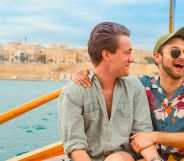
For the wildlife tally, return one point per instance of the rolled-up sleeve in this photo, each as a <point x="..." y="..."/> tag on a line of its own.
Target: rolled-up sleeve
<point x="71" y="119"/>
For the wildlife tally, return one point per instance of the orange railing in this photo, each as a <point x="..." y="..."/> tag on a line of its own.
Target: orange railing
<point x="46" y="152"/>
<point x="28" y="106"/>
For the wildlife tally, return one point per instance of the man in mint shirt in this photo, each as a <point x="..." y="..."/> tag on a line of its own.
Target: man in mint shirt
<point x="166" y="98"/>
<point x="96" y="122"/>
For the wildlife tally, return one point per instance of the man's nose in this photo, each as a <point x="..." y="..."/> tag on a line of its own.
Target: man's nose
<point x="131" y="60"/>
<point x="182" y="54"/>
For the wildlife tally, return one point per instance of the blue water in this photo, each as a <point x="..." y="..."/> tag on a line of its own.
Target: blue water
<point x="34" y="129"/>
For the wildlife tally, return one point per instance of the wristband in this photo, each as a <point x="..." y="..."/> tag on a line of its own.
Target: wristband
<point x="157" y="158"/>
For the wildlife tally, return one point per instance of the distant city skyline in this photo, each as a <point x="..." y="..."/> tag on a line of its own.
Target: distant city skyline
<point x="70" y="22"/>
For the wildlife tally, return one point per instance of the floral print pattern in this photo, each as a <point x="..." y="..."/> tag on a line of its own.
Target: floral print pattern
<point x="167" y="114"/>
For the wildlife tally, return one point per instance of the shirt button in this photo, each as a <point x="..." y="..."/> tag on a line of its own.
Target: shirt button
<point x="109" y="139"/>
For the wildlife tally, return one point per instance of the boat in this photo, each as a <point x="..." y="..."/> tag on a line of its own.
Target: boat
<point x="55" y="151"/>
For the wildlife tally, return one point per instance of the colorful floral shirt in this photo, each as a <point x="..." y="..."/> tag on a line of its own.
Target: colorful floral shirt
<point x="167" y="114"/>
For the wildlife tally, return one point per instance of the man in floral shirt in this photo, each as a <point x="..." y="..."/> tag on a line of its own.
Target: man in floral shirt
<point x="166" y="98"/>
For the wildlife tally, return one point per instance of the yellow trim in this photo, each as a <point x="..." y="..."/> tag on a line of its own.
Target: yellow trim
<point x="28" y="106"/>
<point x="46" y="152"/>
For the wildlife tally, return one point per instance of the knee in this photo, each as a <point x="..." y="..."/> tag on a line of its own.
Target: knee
<point x="119" y="156"/>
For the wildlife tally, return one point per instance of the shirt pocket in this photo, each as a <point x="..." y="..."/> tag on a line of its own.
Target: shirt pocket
<point x="92" y="124"/>
<point x="91" y="115"/>
<point x="125" y="118"/>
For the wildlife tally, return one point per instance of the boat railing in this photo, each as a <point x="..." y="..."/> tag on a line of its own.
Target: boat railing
<point x="46" y="152"/>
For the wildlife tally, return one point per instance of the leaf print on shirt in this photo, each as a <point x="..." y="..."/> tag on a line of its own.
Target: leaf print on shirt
<point x="164" y="111"/>
<point x="178" y="103"/>
<point x="179" y="113"/>
<point x="160" y="114"/>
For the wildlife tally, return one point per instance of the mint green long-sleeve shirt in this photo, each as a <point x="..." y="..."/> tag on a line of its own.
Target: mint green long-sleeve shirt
<point x="84" y="120"/>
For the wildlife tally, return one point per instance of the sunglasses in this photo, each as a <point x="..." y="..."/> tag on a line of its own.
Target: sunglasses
<point x="175" y="53"/>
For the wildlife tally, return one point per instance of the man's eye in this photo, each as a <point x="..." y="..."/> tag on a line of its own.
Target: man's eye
<point x="128" y="52"/>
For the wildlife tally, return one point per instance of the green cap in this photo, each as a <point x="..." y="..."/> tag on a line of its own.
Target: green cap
<point x="163" y="39"/>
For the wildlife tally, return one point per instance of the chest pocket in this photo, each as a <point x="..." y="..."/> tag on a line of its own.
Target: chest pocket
<point x="91" y="114"/>
<point x="125" y="117"/>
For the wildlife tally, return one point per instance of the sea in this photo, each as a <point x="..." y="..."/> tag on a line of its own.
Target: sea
<point x="34" y="129"/>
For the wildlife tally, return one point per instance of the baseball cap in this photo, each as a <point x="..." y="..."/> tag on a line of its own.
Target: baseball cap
<point x="163" y="39"/>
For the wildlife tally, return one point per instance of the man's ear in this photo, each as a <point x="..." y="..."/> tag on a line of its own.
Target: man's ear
<point x="157" y="58"/>
<point x="106" y="55"/>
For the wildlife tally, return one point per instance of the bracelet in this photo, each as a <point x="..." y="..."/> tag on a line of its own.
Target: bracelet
<point x="157" y="158"/>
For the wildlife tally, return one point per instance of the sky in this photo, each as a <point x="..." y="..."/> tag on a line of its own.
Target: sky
<point x="69" y="22"/>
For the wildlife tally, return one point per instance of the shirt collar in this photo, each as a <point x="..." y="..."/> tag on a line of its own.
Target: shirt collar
<point x="155" y="83"/>
<point x="93" y="77"/>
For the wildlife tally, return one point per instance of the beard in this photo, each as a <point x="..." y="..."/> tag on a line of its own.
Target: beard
<point x="170" y="71"/>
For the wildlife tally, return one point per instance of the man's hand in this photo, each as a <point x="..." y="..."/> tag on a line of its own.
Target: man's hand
<point x="141" y="141"/>
<point x="81" y="77"/>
